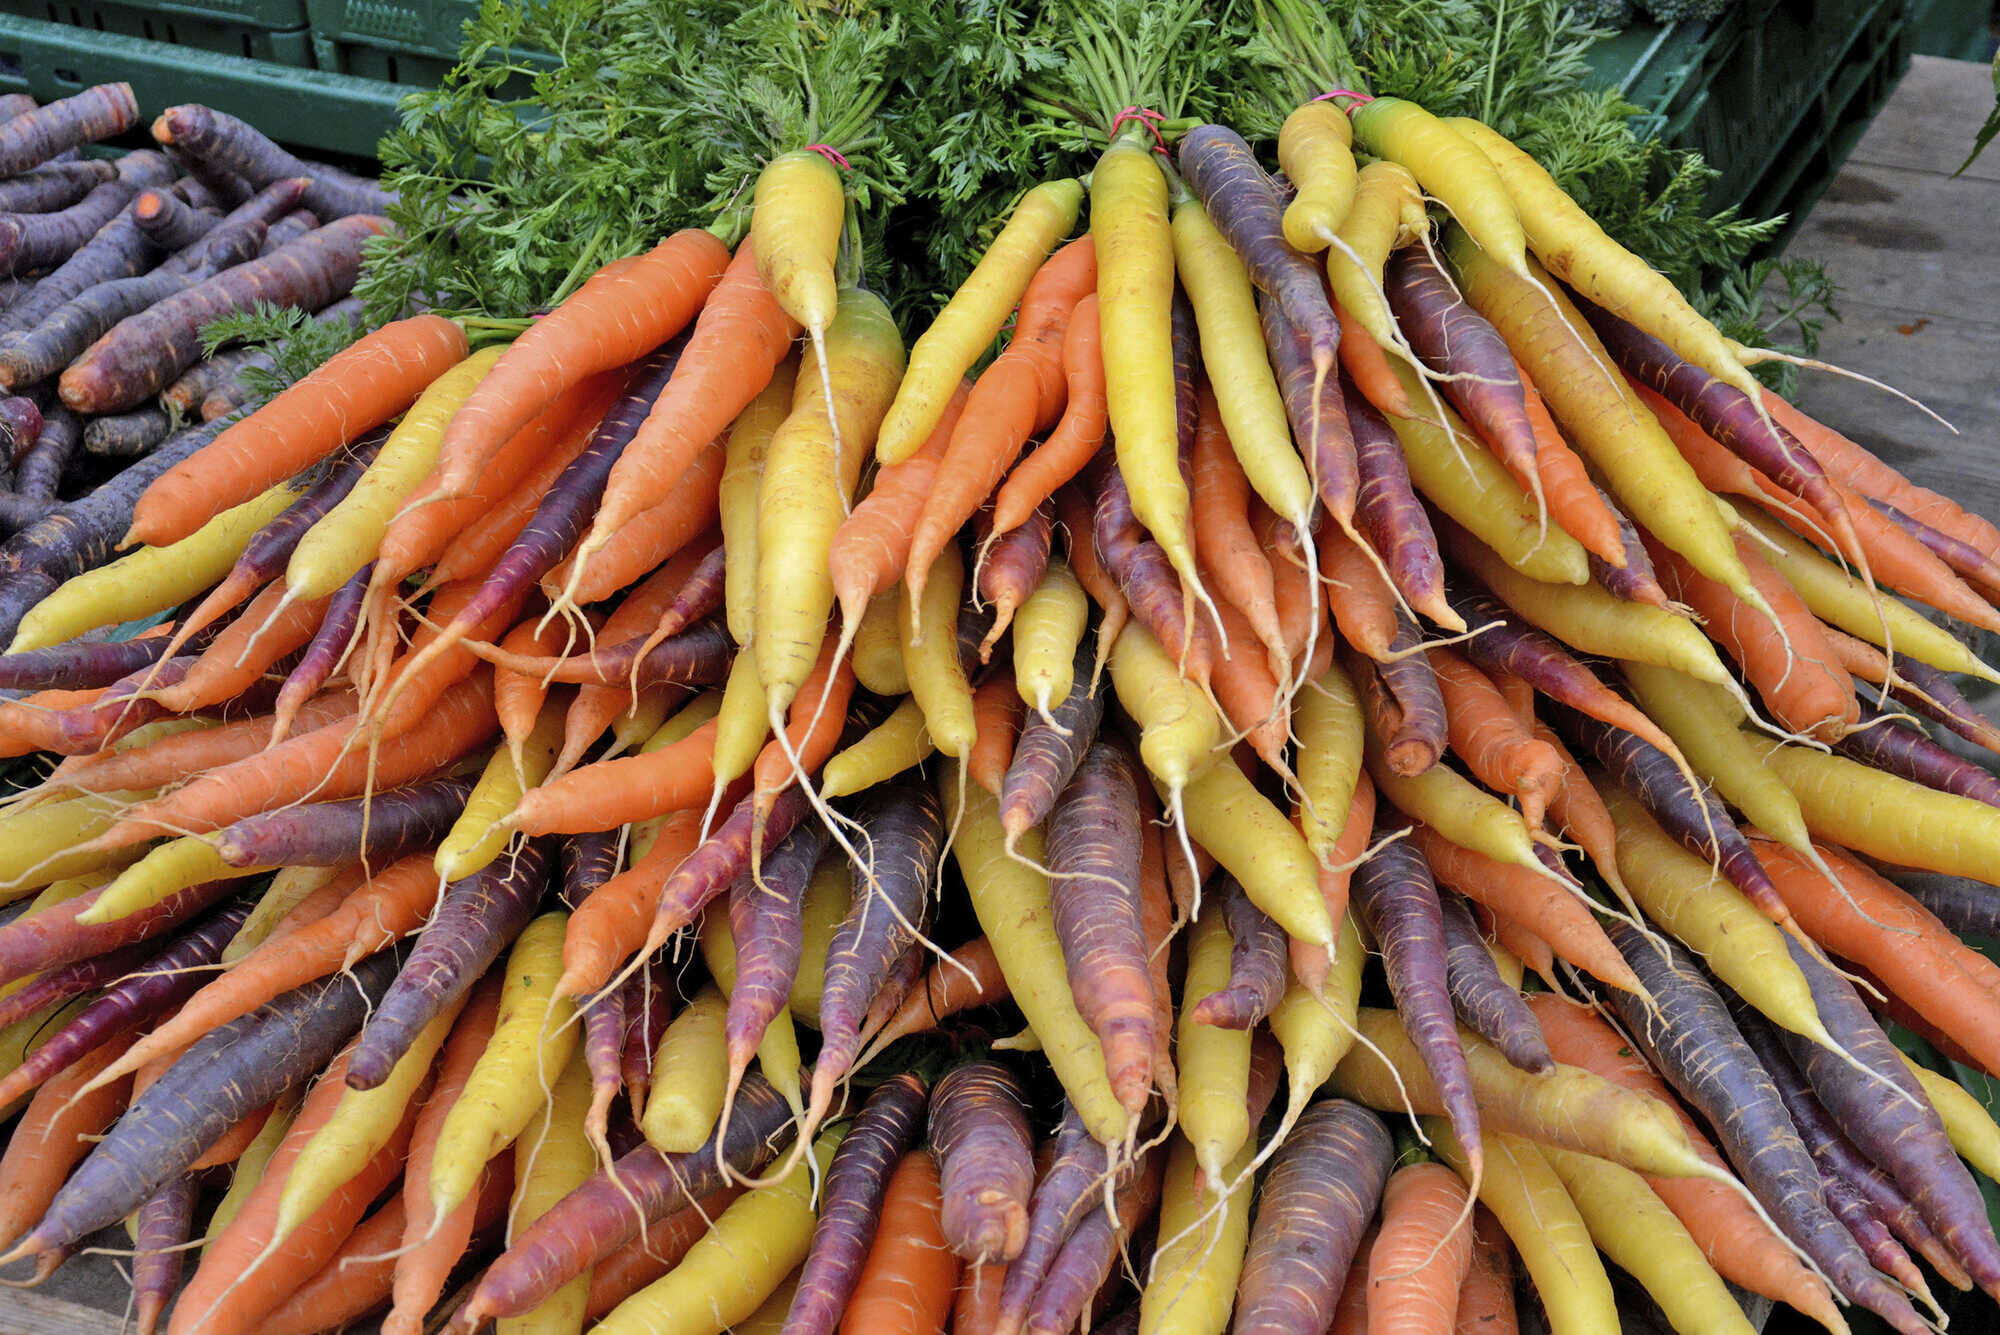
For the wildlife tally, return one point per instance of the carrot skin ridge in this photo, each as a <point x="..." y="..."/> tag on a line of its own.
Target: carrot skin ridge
<point x="851" y="1208"/>
<point x="619" y="1202"/>
<point x="229" y="1071"/>
<point x="1324" y="1186"/>
<point x="979" y="1135"/>
<point x="765" y="920"/>
<point x="380" y="829"/>
<point x="1481" y="997"/>
<point x="1693" y="1043"/>
<point x="167" y="978"/>
<point x="164" y="1222"/>
<point x="472" y="924"/>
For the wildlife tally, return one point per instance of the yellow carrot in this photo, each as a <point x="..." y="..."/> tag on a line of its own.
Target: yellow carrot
<point x="1214" y="1063"/>
<point x="898" y="743"/>
<point x="477" y="836"/>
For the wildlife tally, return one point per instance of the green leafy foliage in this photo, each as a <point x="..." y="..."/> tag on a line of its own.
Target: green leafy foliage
<point x="296" y="341"/>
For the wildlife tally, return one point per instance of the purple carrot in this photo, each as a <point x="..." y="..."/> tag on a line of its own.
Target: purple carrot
<point x="603" y="1049"/>
<point x="255" y="215"/>
<point x="1692" y="815"/>
<point x="1726" y="413"/>
<point x="167" y="978"/>
<point x="192" y="386"/>
<point x="62" y="336"/>
<point x="1969" y="908"/>
<point x="71" y="980"/>
<point x="227" y="1073"/>
<point x="54" y="937"/>
<point x="697" y="599"/>
<point x="225" y="186"/>
<point x="1094" y="836"/>
<point x="160" y="1249"/>
<point x="1871" y="1234"/>
<point x="289" y="228"/>
<point x="1140" y="565"/>
<point x="78" y="666"/>
<point x="83" y="729"/>
<point x="1185" y="338"/>
<point x="1838" y="1159"/>
<point x="726" y="854"/>
<point x="1050" y="747"/>
<point x="1011" y="567"/>
<point x="1891" y="1121"/>
<point x="616" y="1205"/>
<point x="129" y="435"/>
<point x="585" y="862"/>
<point x="1689" y="1039"/>
<point x="765" y="919"/>
<point x="559" y="520"/>
<point x="697" y="656"/>
<point x="1068" y="1190"/>
<point x="1257" y="952"/>
<point x="1488" y="1005"/>
<point x="327" y="649"/>
<point x="1448" y="336"/>
<point x="1636" y="581"/>
<point x="53" y="185"/>
<point x="649" y="1005"/>
<point x="33" y="137"/>
<point x="117" y="250"/>
<point x="1931" y="693"/>
<point x="1965" y="559"/>
<point x="1896" y="748"/>
<point x="1078" y="1273"/>
<point x="143" y="353"/>
<point x="985" y="1157"/>
<point x="1390" y="516"/>
<point x="1238" y="197"/>
<point x="169" y="221"/>
<point x="378" y="829"/>
<point x="474" y="920"/>
<point x="1324" y="1185"/>
<point x="20" y="426"/>
<point x="30" y="241"/>
<point x="851" y="1209"/>
<point x="904" y="823"/>
<point x="1318" y="416"/>
<point x="226" y="143"/>
<point x="902" y="978"/>
<point x="1413" y="685"/>
<point x="1398" y="902"/>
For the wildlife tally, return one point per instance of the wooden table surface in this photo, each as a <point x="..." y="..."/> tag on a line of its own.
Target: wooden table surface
<point x="1911" y="248"/>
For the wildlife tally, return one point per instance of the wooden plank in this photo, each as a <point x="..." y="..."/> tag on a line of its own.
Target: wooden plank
<point x="1929" y="122"/>
<point x="1905" y="239"/>
<point x="26" y="1312"/>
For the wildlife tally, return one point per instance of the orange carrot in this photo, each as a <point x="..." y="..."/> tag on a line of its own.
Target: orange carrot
<point x="431" y="1248"/>
<point x="1737" y="1242"/>
<point x="872" y="545"/>
<point x="330" y="763"/>
<point x="1879" y="926"/>
<point x="1580" y="812"/>
<point x="610" y="925"/>
<point x="735" y="348"/>
<point x="976" y="1308"/>
<point x="1077" y="436"/>
<point x="1538" y="903"/>
<point x="1311" y="962"/>
<point x="997" y="707"/>
<point x="1501" y="752"/>
<point x="1518" y="941"/>
<point x="1299" y="603"/>
<point x="518" y="696"/>
<point x="1073" y="513"/>
<point x="1224" y="540"/>
<point x="1574" y="502"/>
<point x="234" y="1141"/>
<point x="1368" y="366"/>
<point x="621" y="312"/>
<point x="652" y="536"/>
<point x="355" y="391"/>
<point x="812" y="730"/>
<point x="972" y="978"/>
<point x="1251" y="696"/>
<point x="1350" y="1313"/>
<point x="54" y="1133"/>
<point x="392" y="903"/>
<point x="27" y="725"/>
<point x="267" y="630"/>
<point x="1421" y="1253"/>
<point x="611" y="793"/>
<point x="1019" y="394"/>
<point x="174" y="757"/>
<point x="1364" y="606"/>
<point x="652" y="1254"/>
<point x="1486" y="1299"/>
<point x="358" y="1278"/>
<point x="237" y="1284"/>
<point x="908" y="1279"/>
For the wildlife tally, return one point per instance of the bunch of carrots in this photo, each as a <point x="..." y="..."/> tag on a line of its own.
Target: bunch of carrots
<point x="112" y="271"/>
<point x="1310" y="583"/>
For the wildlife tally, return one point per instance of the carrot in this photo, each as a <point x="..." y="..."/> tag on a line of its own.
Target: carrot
<point x="996" y="710"/>
<point x="1227" y="816"/>
<point x="908" y="1279"/>
<point x="322" y="764"/>
<point x="1076" y="438"/>
<point x="1390" y="516"/>
<point x="1363" y="604"/>
<point x="1323" y="1188"/>
<point x="1484" y="999"/>
<point x="1889" y="818"/>
<point x="1020" y="393"/>
<point x="872" y="545"/>
<point x="1502" y="752"/>
<point x="1204" y="1231"/>
<point x="1909" y="753"/>
<point x="971" y="978"/>
<point x="1075" y="1286"/>
<point x="1010" y="569"/>
<point x="1689" y="1038"/>
<point x="1225" y="543"/>
<point x="622" y="1273"/>
<point x="55" y="1133"/>
<point x="1422" y="1254"/>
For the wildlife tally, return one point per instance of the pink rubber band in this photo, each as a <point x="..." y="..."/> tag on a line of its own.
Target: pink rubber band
<point x="1360" y="99"/>
<point x="831" y="154"/>
<point x="1150" y="119"/>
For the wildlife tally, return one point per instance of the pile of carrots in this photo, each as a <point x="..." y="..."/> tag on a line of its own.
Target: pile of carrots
<point x="704" y="817"/>
<point x="109" y="270"/>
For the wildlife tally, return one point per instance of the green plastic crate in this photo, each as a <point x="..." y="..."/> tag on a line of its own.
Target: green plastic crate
<point x="1773" y="95"/>
<point x="399" y="41"/>
<point x="307" y="108"/>
<point x="273" y="30"/>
